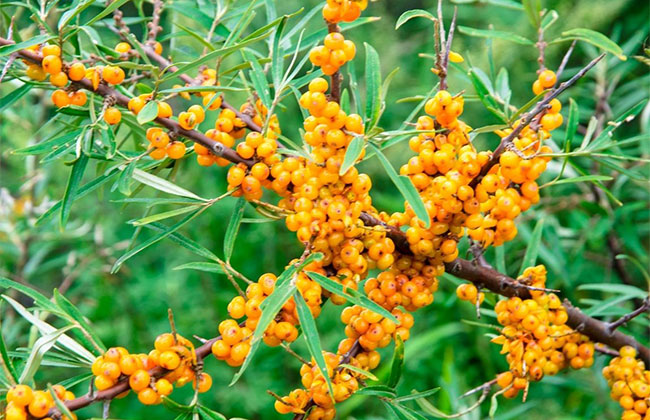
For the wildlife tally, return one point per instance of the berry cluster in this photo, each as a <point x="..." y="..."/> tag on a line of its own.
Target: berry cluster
<point x="171" y="352"/>
<point x="535" y="337"/>
<point x="336" y="11"/>
<point x="629" y="381"/>
<point x="24" y="402"/>
<point x="234" y="343"/>
<point x="162" y="146"/>
<point x="410" y="283"/>
<point x="335" y="52"/>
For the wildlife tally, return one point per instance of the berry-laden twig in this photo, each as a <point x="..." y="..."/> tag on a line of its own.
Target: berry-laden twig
<point x="529" y="116"/>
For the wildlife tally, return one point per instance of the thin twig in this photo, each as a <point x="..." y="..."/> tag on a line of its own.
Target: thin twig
<point x="645" y="307"/>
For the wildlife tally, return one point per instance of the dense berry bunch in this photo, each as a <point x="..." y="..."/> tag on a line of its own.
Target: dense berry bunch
<point x="333" y="54"/>
<point x="172" y="352"/>
<point x="24" y="402"/>
<point x="535" y="337"/>
<point x="336" y="11"/>
<point x="629" y="380"/>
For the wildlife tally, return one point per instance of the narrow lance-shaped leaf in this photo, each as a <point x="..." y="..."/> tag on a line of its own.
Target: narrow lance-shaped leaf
<point x="8" y="49"/>
<point x="398" y="363"/>
<point x="41" y="346"/>
<point x="533" y="247"/>
<point x="352" y="153"/>
<point x="83" y="355"/>
<point x="78" y="317"/>
<point x="76" y="174"/>
<point x="202" y="266"/>
<point x="124" y="181"/>
<point x="350" y="295"/>
<point x="373" y="87"/>
<point x="312" y="338"/>
<point x="162" y="184"/>
<point x="70" y="14"/>
<point x="410" y="14"/>
<point x="233" y="228"/>
<point x="405" y="187"/>
<point x="7" y="364"/>
<point x="595" y="38"/>
<point x="277" y="63"/>
<point x="154" y="239"/>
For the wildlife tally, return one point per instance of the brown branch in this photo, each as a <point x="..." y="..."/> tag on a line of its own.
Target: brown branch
<point x="123" y="385"/>
<point x="528" y="118"/>
<point x="445" y="60"/>
<point x="337" y="77"/>
<point x="154" y="25"/>
<point x="645" y="307"/>
<point x="120" y="99"/>
<point x="164" y="63"/>
<point x="565" y="61"/>
<point x="541" y="47"/>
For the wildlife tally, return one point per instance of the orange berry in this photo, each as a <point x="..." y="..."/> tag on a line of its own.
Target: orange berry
<point x="139" y="380"/>
<point x="51" y="50"/>
<point x="198" y="111"/>
<point x="59" y="79"/>
<point x="148" y="396"/>
<point x="76" y="72"/>
<point x="51" y="64"/>
<point x="123" y="47"/>
<point x="78" y="98"/>
<point x="60" y="98"/>
<point x="112" y="115"/>
<point x="176" y="150"/>
<point x="21" y="395"/>
<point x="113" y="75"/>
<point x="164" y="110"/>
<point x="547" y="79"/>
<point x="204" y="383"/>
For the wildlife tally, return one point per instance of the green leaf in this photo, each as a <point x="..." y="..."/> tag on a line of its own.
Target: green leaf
<point x="83" y="191"/>
<point x="163" y="185"/>
<point x="352" y="153"/>
<point x="233" y="228"/>
<point x="258" y="78"/>
<point x="41" y="346"/>
<point x="73" y="185"/>
<point x="39" y="300"/>
<point x="398" y="363"/>
<point x="585" y="178"/>
<point x="185" y="242"/>
<point x="373" y="87"/>
<point x="549" y="19"/>
<point x="154" y="239"/>
<point x="8" y="49"/>
<point x="533" y="9"/>
<point x="595" y="38"/>
<point x="164" y="215"/>
<point x="622" y="289"/>
<point x="46" y="329"/>
<point x="533" y="247"/>
<point x="148" y="113"/>
<point x="48" y="145"/>
<point x="360" y="371"/>
<point x="212" y="56"/>
<point x="77" y="316"/>
<point x="209" y="414"/>
<point x="7" y="364"/>
<point x="350" y="295"/>
<point x="202" y="266"/>
<point x="277" y="62"/>
<point x="70" y="14"/>
<point x="192" y="89"/>
<point x="506" y="36"/>
<point x="115" y="4"/>
<point x="572" y="123"/>
<point x="417" y="395"/>
<point x="405" y="187"/>
<point x="312" y="338"/>
<point x="12" y="97"/>
<point x="377" y="391"/>
<point x="124" y="181"/>
<point x="606" y="134"/>
<point x="410" y="14"/>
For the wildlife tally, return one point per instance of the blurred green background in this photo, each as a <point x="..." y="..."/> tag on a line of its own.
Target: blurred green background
<point x="129" y="308"/>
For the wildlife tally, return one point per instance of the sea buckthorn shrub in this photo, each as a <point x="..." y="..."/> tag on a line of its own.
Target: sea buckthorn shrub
<point x="285" y="130"/>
